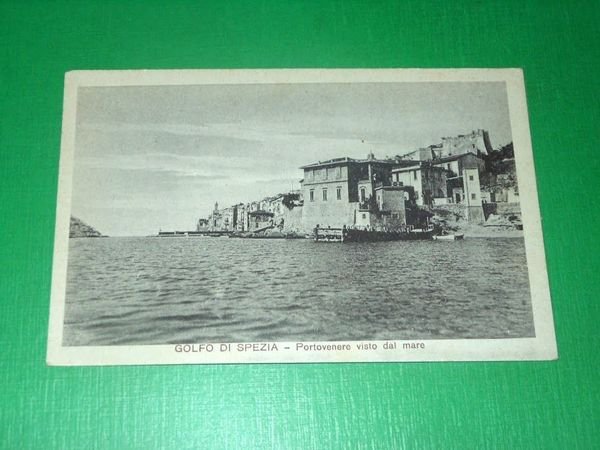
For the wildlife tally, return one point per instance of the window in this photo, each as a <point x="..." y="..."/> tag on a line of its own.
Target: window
<point x="470" y="177"/>
<point x="338" y="172"/>
<point x="448" y="166"/>
<point x="309" y="175"/>
<point x="324" y="195"/>
<point x="325" y="173"/>
<point x="363" y="194"/>
<point x="364" y="216"/>
<point x="415" y="174"/>
<point x="473" y="196"/>
<point x="339" y="192"/>
<point x="312" y="195"/>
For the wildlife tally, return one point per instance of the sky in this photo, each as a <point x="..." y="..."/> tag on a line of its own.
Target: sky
<point x="150" y="158"/>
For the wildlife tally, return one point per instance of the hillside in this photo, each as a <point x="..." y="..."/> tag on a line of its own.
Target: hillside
<point x="78" y="228"/>
<point x="500" y="172"/>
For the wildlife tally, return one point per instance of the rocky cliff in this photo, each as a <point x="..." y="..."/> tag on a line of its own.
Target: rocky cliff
<point x="79" y="228"/>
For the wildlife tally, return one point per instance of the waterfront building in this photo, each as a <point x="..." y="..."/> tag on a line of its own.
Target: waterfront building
<point x="214" y="219"/>
<point x="335" y="190"/>
<point x="286" y="209"/>
<point x="502" y="187"/>
<point x="471" y="194"/>
<point x="428" y="181"/>
<point x="375" y="192"/>
<point x="442" y="180"/>
<point x="202" y="225"/>
<point x="259" y="219"/>
<point x="283" y="211"/>
<point x="241" y="218"/>
<point x="225" y="219"/>
<point x="448" y="172"/>
<point x="389" y="209"/>
<point x="463" y="183"/>
<point x="455" y="164"/>
<point x="445" y="180"/>
<point x="229" y="218"/>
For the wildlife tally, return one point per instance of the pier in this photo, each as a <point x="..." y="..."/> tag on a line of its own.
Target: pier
<point x="169" y="234"/>
<point x="356" y="235"/>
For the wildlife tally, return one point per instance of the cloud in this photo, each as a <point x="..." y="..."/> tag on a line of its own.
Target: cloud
<point x="170" y="148"/>
<point x="238" y="135"/>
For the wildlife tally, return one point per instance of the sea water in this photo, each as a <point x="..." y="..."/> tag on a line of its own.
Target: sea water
<point x="148" y="290"/>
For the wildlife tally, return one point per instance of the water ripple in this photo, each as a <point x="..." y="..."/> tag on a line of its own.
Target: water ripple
<point x="154" y="291"/>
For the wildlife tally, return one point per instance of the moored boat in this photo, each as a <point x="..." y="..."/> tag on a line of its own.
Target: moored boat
<point x="361" y="235"/>
<point x="449" y="237"/>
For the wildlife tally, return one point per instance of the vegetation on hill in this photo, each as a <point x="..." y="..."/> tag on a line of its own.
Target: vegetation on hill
<point x="79" y="228"/>
<point x="500" y="172"/>
<point x="291" y="199"/>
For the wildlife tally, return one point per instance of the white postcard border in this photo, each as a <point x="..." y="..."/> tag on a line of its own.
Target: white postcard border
<point x="541" y="347"/>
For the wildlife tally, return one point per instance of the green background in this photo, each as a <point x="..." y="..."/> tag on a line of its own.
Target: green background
<point x="423" y="405"/>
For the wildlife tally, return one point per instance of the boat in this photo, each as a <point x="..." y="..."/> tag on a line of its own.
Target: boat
<point x="449" y="237"/>
<point x="205" y="233"/>
<point x="357" y="235"/>
<point x="262" y="235"/>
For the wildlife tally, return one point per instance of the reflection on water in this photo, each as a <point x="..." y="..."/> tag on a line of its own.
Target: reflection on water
<point x="159" y="291"/>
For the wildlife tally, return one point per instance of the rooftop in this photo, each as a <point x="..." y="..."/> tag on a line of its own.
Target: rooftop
<point x="415" y="166"/>
<point x="418" y="166"/>
<point x="393" y="188"/>
<point x="453" y="158"/>
<point x="347" y="160"/>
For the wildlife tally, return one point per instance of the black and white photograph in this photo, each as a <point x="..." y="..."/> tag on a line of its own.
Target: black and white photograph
<point x="210" y="216"/>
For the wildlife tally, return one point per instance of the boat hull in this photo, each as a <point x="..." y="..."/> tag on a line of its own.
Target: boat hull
<point x="377" y="236"/>
<point x="449" y="237"/>
<point x="353" y="235"/>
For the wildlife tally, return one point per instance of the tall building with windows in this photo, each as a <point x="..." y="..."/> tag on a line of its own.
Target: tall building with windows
<point x="335" y="190"/>
<point x="428" y="181"/>
<point x="448" y="180"/>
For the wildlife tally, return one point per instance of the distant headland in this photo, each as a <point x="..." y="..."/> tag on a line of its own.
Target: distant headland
<point x="79" y="228"/>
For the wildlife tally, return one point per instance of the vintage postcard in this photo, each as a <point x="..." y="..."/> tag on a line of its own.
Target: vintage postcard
<point x="269" y="216"/>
